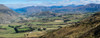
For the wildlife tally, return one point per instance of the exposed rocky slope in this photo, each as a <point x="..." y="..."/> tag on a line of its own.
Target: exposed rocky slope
<point x="87" y="28"/>
<point x="7" y="15"/>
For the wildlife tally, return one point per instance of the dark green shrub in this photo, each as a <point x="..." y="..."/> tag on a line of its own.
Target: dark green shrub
<point x="59" y="26"/>
<point x="44" y="28"/>
<point x="10" y="26"/>
<point x="39" y="29"/>
<point x="16" y="30"/>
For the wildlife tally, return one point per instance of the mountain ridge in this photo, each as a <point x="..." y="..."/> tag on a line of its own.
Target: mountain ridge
<point x="7" y="15"/>
<point x="60" y="9"/>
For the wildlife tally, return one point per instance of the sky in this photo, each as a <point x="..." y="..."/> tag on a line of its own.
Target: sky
<point x="25" y="3"/>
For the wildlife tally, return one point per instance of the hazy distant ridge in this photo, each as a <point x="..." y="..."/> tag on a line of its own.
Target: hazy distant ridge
<point x="60" y="9"/>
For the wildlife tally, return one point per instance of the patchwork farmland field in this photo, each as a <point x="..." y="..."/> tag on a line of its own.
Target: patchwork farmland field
<point x="38" y="28"/>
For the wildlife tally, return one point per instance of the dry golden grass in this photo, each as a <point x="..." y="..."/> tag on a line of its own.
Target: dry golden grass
<point x="84" y="29"/>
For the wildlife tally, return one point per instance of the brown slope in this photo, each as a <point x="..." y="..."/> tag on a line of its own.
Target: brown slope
<point x="87" y="28"/>
<point x="7" y="15"/>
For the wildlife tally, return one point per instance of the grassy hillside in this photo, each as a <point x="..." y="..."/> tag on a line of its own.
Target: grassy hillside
<point x="87" y="28"/>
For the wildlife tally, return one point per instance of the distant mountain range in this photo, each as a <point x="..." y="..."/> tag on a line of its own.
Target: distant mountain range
<point x="60" y="9"/>
<point x="7" y="15"/>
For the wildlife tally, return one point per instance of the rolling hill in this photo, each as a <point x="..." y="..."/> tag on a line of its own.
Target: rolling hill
<point x="87" y="28"/>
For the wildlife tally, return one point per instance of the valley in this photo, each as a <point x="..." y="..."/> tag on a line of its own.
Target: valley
<point x="36" y="27"/>
<point x="50" y="22"/>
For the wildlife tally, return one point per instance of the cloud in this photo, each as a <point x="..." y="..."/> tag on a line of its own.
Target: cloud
<point x="14" y="6"/>
<point x="52" y="3"/>
<point x="89" y="1"/>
